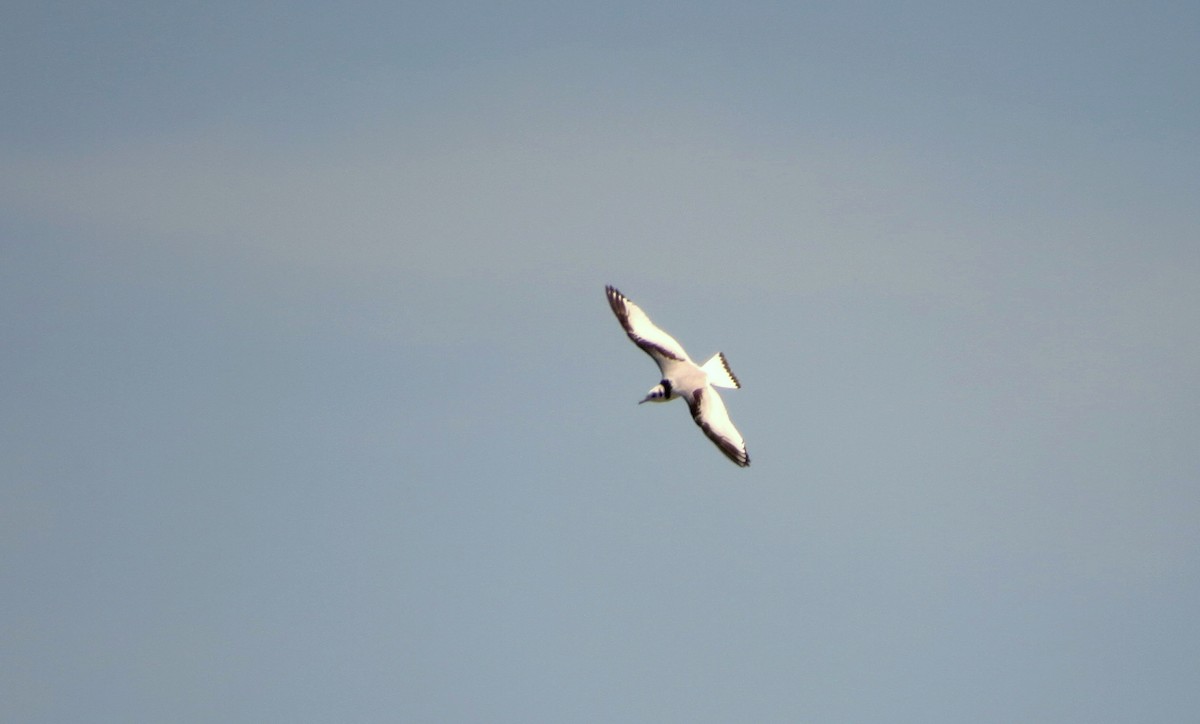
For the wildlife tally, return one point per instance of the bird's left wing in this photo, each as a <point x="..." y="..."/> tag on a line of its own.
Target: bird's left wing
<point x="708" y="410"/>
<point x="655" y="342"/>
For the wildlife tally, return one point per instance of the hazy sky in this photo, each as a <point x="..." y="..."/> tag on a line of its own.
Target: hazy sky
<point x="314" y="409"/>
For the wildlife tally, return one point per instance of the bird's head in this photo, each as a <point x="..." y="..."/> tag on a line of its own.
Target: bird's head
<point x="658" y="393"/>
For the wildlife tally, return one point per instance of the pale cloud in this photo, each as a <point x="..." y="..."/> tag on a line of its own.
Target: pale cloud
<point x="663" y="194"/>
<point x="516" y="170"/>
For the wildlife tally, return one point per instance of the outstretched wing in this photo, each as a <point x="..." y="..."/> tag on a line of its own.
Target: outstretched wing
<point x="655" y="342"/>
<point x="709" y="413"/>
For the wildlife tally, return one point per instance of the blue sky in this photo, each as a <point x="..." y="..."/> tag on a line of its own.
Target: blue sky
<point x="315" y="410"/>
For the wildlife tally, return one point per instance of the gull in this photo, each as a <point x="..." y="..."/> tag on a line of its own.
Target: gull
<point x="681" y="377"/>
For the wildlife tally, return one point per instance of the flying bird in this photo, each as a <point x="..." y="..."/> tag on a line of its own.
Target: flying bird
<point x="681" y="377"/>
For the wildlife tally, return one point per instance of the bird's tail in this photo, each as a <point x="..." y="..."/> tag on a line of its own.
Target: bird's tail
<point x="719" y="374"/>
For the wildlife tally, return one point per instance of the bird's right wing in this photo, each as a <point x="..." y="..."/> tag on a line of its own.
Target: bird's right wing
<point x="708" y="410"/>
<point x="653" y="341"/>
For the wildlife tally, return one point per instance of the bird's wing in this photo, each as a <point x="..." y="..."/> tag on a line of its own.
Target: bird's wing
<point x="655" y="342"/>
<point x="709" y="413"/>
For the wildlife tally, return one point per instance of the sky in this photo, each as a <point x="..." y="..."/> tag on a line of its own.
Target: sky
<point x="314" y="409"/>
